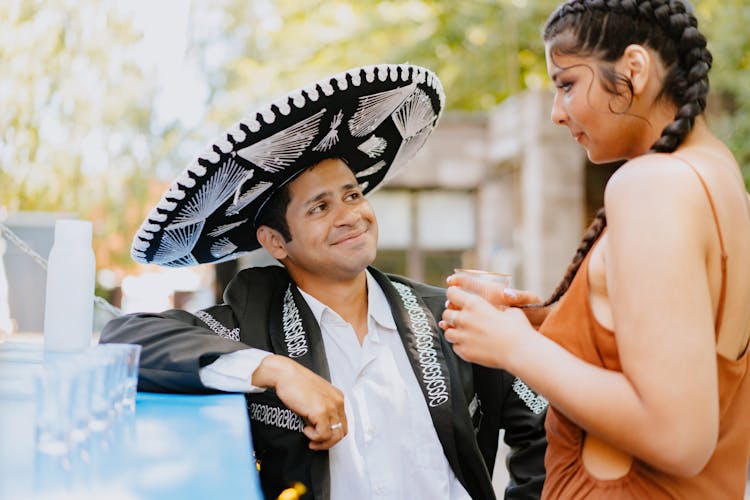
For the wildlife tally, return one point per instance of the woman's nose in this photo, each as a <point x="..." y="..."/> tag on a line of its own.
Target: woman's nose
<point x="558" y="115"/>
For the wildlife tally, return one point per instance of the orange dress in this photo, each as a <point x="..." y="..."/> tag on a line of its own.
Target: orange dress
<point x="573" y="326"/>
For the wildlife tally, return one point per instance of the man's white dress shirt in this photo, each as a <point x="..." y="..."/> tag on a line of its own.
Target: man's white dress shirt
<point x="392" y="450"/>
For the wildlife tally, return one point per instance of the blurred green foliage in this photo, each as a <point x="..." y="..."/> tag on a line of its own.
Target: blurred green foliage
<point x="80" y="126"/>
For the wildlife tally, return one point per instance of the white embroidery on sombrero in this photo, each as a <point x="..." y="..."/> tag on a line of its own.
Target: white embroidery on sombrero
<point x="373" y="109"/>
<point x="393" y="73"/>
<point x="166" y="205"/>
<point x="268" y="116"/>
<point x="297" y="99"/>
<point x="155" y="216"/>
<point x="406" y="152"/>
<point x="222" y="248"/>
<point x="237" y="133"/>
<point x="341" y="80"/>
<point x="281" y="149"/>
<point x="374" y="146"/>
<point x="284" y="107"/>
<point x="248" y="197"/>
<point x="253" y="125"/>
<point x="312" y="93"/>
<point x="210" y="155"/>
<point x="226" y="227"/>
<point x="327" y="88"/>
<point x="332" y="137"/>
<point x="195" y="168"/>
<point x="382" y="72"/>
<point x="141" y="245"/>
<point x="220" y="186"/>
<point x="224" y="145"/>
<point x="414" y="114"/>
<point x="363" y="185"/>
<point x="187" y="260"/>
<point x="177" y="243"/>
<point x="370" y="74"/>
<point x="238" y="189"/>
<point x="370" y="170"/>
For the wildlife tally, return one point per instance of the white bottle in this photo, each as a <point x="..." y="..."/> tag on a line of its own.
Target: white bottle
<point x="69" y="303"/>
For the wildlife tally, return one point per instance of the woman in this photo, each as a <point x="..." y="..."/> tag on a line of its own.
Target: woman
<point x="643" y="355"/>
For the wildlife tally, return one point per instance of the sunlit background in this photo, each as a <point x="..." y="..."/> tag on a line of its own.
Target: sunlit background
<point x="103" y="103"/>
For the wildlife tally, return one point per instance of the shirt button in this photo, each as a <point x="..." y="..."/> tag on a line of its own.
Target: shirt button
<point x="379" y="489"/>
<point x="369" y="432"/>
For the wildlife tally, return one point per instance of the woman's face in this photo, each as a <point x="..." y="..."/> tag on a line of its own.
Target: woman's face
<point x="597" y="119"/>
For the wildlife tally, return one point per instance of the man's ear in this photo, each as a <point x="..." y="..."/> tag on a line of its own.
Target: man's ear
<point x="272" y="241"/>
<point x="637" y="66"/>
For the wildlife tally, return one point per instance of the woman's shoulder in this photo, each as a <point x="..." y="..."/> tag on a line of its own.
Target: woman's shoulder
<point x="653" y="180"/>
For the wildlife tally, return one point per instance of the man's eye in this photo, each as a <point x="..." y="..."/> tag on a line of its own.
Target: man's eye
<point x="564" y="86"/>
<point x="354" y="195"/>
<point x="318" y="208"/>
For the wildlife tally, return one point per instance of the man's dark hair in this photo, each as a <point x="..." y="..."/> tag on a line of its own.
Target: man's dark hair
<point x="273" y="214"/>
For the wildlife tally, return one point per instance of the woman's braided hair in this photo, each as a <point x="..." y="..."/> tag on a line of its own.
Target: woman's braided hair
<point x="603" y="29"/>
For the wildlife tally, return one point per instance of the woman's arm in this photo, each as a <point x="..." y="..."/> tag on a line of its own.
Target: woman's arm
<point x="663" y="407"/>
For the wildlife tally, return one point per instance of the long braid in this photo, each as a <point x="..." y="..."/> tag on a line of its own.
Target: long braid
<point x="604" y="28"/>
<point x="589" y="237"/>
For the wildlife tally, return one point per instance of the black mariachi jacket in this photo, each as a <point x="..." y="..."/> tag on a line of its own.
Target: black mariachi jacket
<point x="468" y="404"/>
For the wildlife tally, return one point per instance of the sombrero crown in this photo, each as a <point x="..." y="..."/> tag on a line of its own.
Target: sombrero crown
<point x="375" y="117"/>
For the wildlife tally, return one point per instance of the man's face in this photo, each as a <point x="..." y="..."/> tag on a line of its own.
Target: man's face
<point x="333" y="228"/>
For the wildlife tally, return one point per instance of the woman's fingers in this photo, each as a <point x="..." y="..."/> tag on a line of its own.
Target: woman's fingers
<point x="515" y="298"/>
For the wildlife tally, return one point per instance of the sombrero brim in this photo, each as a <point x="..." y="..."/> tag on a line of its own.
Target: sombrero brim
<point x="375" y="117"/>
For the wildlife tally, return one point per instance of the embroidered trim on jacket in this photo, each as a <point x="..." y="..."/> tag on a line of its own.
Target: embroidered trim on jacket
<point x="432" y="374"/>
<point x="294" y="333"/>
<point x="536" y="403"/>
<point x="283" y="418"/>
<point x="218" y="328"/>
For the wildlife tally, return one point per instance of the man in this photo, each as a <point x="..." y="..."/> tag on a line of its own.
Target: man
<point x="363" y="397"/>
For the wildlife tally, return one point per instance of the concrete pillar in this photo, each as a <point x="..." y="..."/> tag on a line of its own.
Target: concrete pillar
<point x="550" y="187"/>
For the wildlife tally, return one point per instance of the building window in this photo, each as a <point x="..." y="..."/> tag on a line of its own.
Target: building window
<point x="424" y="234"/>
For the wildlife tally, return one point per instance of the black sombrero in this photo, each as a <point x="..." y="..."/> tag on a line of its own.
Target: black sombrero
<point x="375" y="117"/>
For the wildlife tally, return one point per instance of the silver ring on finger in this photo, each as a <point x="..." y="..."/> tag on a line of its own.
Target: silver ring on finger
<point x="337" y="425"/>
<point x="452" y="317"/>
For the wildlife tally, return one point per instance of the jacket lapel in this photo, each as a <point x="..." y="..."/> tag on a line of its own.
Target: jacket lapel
<point x="419" y="335"/>
<point x="296" y="334"/>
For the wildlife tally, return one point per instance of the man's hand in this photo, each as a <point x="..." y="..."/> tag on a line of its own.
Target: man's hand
<point x="319" y="403"/>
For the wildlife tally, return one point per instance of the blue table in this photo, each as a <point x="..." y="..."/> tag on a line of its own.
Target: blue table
<point x="174" y="447"/>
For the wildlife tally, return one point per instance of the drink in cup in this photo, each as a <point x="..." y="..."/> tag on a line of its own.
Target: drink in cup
<point x="487" y="284"/>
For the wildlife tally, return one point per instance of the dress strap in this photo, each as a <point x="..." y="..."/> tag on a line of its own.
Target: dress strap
<point x="723" y="290"/>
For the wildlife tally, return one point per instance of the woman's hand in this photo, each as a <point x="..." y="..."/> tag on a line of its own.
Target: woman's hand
<point x="502" y="297"/>
<point x="480" y="331"/>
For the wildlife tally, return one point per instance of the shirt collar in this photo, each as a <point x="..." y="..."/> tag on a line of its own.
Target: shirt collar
<point x="377" y="305"/>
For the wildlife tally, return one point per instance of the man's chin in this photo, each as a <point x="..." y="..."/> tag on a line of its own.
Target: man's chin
<point x="355" y="265"/>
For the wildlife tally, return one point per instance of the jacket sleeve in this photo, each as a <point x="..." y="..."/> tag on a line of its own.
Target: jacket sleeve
<point x="523" y="420"/>
<point x="507" y="403"/>
<point x="176" y="344"/>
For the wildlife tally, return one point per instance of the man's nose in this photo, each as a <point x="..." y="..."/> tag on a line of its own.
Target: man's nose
<point x="346" y="215"/>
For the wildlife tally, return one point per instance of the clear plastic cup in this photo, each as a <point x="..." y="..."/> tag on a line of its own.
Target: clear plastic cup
<point x="487" y="284"/>
<point x="54" y="386"/>
<point x="127" y="373"/>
